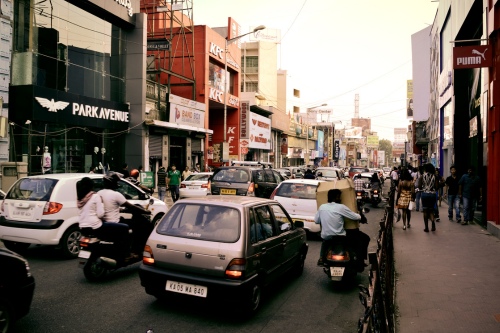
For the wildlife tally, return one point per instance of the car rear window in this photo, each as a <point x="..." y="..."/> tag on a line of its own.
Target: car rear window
<point x="297" y="191"/>
<point x="358" y="170"/>
<point x="231" y="176"/>
<point x="203" y="222"/>
<point x="197" y="177"/>
<point x="33" y="189"/>
<point x="327" y="173"/>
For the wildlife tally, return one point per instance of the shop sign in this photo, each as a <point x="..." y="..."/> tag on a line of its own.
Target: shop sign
<point x="118" y="12"/>
<point x="147" y="179"/>
<point x="260" y="131"/>
<point x="476" y="56"/>
<point x="244" y="119"/>
<point x="158" y="44"/>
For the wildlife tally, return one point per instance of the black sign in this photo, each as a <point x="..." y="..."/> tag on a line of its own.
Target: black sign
<point x="336" y="150"/>
<point x="160" y="44"/>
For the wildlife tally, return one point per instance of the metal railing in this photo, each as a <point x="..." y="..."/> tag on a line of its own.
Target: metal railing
<point x="378" y="298"/>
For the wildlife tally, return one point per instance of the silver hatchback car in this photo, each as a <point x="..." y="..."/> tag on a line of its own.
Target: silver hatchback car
<point x="224" y="248"/>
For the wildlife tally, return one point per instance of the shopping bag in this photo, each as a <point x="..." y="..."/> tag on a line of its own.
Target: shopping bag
<point x="411" y="205"/>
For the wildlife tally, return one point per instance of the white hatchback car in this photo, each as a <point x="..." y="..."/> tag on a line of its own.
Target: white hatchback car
<point x="196" y="185"/>
<point x="298" y="196"/>
<point x="42" y="210"/>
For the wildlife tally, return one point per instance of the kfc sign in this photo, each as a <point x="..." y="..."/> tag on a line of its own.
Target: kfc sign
<point x="216" y="51"/>
<point x="472" y="56"/>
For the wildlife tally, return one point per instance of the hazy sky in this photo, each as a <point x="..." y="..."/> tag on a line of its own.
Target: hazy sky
<point x="334" y="49"/>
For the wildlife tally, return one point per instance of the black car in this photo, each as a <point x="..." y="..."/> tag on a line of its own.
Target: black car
<point x="16" y="288"/>
<point x="245" y="180"/>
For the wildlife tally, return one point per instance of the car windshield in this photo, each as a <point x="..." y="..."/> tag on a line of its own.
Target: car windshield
<point x="297" y="191"/>
<point x="231" y="176"/>
<point x="328" y="173"/>
<point x="197" y="176"/>
<point x="200" y="221"/>
<point x="34" y="189"/>
<point x="358" y="170"/>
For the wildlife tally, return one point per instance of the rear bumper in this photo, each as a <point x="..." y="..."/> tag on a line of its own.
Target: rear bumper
<point x="31" y="236"/>
<point x="42" y="224"/>
<point x="154" y="280"/>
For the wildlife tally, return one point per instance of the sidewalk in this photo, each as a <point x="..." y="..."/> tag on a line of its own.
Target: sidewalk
<point x="447" y="280"/>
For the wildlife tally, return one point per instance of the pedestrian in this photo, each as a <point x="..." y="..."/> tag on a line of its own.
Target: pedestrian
<point x="185" y="173"/>
<point x="394" y="177"/>
<point x="469" y="191"/>
<point x="439" y="194"/>
<point x="125" y="171"/>
<point x="418" y="188"/>
<point x="173" y="182"/>
<point x="406" y="193"/>
<point x="197" y="168"/>
<point x="452" y="193"/>
<point x="309" y="174"/>
<point x="162" y="182"/>
<point x="429" y="187"/>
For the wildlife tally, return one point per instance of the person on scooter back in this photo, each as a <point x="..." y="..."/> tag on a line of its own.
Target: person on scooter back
<point x="375" y="182"/>
<point x="134" y="179"/>
<point x="113" y="200"/>
<point x="92" y="212"/>
<point x="331" y="218"/>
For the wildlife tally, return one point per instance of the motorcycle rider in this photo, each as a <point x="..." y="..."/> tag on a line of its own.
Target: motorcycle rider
<point x="112" y="201"/>
<point x="134" y="175"/>
<point x="375" y="183"/>
<point x="359" y="183"/>
<point x="331" y="218"/>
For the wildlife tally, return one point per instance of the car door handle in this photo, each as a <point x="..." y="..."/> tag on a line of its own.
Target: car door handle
<point x="263" y="250"/>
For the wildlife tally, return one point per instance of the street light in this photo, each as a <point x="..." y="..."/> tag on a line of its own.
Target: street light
<point x="229" y="41"/>
<point x="307" y="131"/>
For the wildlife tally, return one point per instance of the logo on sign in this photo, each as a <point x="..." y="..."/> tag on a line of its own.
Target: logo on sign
<point x="216" y="50"/>
<point x="216" y="95"/>
<point x="52" y="105"/>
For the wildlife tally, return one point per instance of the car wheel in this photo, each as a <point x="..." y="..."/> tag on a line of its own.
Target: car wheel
<point x="5" y="317"/>
<point x="16" y="246"/>
<point x="253" y="299"/>
<point x="94" y="270"/>
<point x="299" y="268"/>
<point x="70" y="246"/>
<point x="157" y="219"/>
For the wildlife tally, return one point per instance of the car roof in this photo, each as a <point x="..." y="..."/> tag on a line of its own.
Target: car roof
<point x="201" y="173"/>
<point x="67" y="176"/>
<point x="366" y="174"/>
<point x="303" y="181"/>
<point x="231" y="200"/>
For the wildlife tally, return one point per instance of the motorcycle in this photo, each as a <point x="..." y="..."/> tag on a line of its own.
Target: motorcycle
<point x="98" y="256"/>
<point x="375" y="197"/>
<point x="340" y="262"/>
<point x="363" y="196"/>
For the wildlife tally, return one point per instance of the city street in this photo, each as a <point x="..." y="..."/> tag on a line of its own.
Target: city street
<point x="65" y="302"/>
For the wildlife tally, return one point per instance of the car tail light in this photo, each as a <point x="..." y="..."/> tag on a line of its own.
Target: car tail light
<point x="209" y="187"/>
<point x="204" y="185"/>
<point x="1" y="206"/>
<point x="147" y="256"/>
<point x="52" y="208"/>
<point x="251" y="190"/>
<point x="375" y="191"/>
<point x="273" y="194"/>
<point x="236" y="268"/>
<point x="183" y="186"/>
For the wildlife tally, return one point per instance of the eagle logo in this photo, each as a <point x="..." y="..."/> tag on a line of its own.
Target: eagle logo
<point x="52" y="105"/>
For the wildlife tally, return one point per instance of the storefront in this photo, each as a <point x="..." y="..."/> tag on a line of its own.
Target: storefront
<point x="76" y="95"/>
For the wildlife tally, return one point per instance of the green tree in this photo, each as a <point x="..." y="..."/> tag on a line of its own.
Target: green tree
<point x="386" y="146"/>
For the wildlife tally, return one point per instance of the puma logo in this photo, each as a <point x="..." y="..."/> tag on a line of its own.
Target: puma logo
<point x="479" y="53"/>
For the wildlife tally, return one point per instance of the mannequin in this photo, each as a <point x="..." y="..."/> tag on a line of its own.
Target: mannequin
<point x="46" y="160"/>
<point x="104" y="164"/>
<point x="96" y="159"/>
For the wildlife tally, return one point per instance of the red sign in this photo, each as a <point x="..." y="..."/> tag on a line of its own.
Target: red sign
<point x="244" y="150"/>
<point x="476" y="56"/>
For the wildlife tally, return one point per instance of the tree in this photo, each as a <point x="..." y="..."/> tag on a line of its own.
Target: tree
<point x="386" y="146"/>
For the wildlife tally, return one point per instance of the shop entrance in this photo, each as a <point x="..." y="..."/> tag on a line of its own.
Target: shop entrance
<point x="177" y="152"/>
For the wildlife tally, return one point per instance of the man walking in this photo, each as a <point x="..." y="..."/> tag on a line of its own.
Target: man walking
<point x="173" y="182"/>
<point x="470" y="191"/>
<point x="452" y="193"/>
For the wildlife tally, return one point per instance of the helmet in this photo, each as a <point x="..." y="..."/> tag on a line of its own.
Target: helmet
<point x="134" y="173"/>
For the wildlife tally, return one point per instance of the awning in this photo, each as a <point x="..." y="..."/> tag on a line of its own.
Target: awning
<point x="159" y="123"/>
<point x="263" y="112"/>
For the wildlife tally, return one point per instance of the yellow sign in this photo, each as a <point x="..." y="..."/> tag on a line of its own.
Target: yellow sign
<point x="409" y="89"/>
<point x="372" y="141"/>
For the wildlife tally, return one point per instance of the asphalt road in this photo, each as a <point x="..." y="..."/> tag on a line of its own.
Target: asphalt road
<point x="65" y="302"/>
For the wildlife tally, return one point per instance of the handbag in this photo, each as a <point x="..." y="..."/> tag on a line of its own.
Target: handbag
<point x="411" y="205"/>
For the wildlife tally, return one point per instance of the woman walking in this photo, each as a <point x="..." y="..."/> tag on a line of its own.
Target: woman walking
<point x="406" y="193"/>
<point x="429" y="187"/>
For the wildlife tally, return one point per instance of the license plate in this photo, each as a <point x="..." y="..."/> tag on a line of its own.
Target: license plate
<point x="337" y="271"/>
<point x="84" y="254"/>
<point x="22" y="213"/>
<point x="375" y="195"/>
<point x="193" y="187"/>
<point x="227" y="191"/>
<point x="358" y="197"/>
<point x="186" y="288"/>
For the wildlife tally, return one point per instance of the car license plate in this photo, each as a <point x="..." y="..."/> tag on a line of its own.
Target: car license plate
<point x="358" y="197"/>
<point x="227" y="191"/>
<point x="375" y="195"/>
<point x="193" y="187"/>
<point x="186" y="288"/>
<point x="22" y="213"/>
<point x="84" y="254"/>
<point x="337" y="271"/>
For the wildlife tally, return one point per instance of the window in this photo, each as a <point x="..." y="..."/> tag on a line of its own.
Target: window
<point x="252" y="86"/>
<point x="264" y="221"/>
<point x="297" y="190"/>
<point x="251" y="61"/>
<point x="284" y="223"/>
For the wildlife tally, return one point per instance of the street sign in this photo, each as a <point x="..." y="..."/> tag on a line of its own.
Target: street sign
<point x="158" y="44"/>
<point x="147" y="179"/>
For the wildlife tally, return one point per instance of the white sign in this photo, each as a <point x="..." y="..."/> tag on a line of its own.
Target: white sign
<point x="268" y="35"/>
<point x="260" y="132"/>
<point x="355" y="132"/>
<point x="184" y="115"/>
<point x="186" y="102"/>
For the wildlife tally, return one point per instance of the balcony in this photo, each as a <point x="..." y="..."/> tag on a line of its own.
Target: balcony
<point x="152" y="91"/>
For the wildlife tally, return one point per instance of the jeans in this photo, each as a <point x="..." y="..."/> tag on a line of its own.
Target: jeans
<point x="418" y="195"/>
<point x="436" y="208"/>
<point x="453" y="202"/>
<point x="161" y="192"/>
<point x="174" y="191"/>
<point x="469" y="208"/>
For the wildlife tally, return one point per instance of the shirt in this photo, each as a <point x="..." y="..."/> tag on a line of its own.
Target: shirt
<point x="470" y="186"/>
<point x="185" y="174"/>
<point x="162" y="175"/>
<point x="358" y="184"/>
<point x="112" y="201"/>
<point x="91" y="214"/>
<point x="331" y="217"/>
<point x="175" y="177"/>
<point x="452" y="184"/>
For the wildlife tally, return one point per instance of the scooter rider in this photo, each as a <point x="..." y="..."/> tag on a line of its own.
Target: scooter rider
<point x="113" y="200"/>
<point x="331" y="218"/>
<point x="134" y="175"/>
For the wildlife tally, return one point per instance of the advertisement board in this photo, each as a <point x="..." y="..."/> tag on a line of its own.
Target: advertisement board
<point x="260" y="132"/>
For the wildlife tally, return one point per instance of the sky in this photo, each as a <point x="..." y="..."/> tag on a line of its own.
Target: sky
<point x="335" y="49"/>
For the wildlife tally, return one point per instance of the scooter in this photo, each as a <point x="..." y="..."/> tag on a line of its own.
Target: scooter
<point x="340" y="262"/>
<point x="375" y="197"/>
<point x="99" y="256"/>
